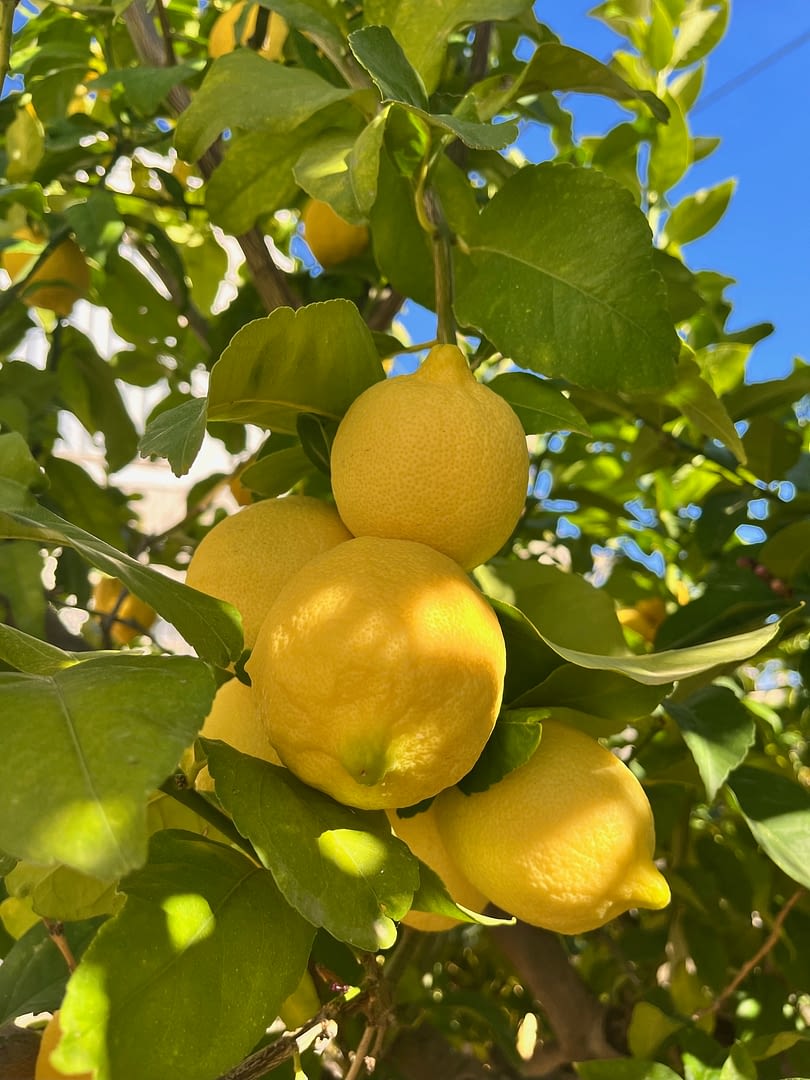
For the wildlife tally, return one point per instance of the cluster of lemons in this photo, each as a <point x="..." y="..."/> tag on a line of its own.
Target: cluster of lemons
<point x="377" y="666"/>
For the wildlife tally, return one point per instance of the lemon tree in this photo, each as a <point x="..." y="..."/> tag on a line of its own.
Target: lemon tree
<point x="403" y="590"/>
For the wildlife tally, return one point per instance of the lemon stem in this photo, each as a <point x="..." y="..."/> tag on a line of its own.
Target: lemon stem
<point x="442" y="267"/>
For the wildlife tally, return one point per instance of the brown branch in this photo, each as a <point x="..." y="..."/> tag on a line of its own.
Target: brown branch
<point x="7" y="8"/>
<point x="479" y="62"/>
<point x="768" y="944"/>
<point x="270" y="282"/>
<point x="166" y="31"/>
<point x="56" y="932"/>
<point x="361" y="1053"/>
<point x="384" y="309"/>
<point x="575" y="1015"/>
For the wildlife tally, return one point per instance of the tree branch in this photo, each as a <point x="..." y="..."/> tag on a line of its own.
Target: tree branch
<point x="7" y="8"/>
<point x="270" y="282"/>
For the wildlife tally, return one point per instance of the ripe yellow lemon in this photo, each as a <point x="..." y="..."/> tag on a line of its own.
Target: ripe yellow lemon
<point x="331" y="239"/>
<point x="645" y="617"/>
<point x="233" y="719"/>
<point x="564" y="842"/>
<point x="247" y="557"/>
<point x="434" y="457"/>
<point x="421" y="834"/>
<point x="379" y="672"/>
<point x="62" y="279"/>
<point x="223" y="33"/>
<point x="133" y="617"/>
<point x="43" y="1070"/>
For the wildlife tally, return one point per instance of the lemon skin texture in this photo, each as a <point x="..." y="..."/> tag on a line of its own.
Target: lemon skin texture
<point x="564" y="842"/>
<point x="421" y="834"/>
<point x="43" y="1070"/>
<point x="246" y="558"/>
<point x="222" y="39"/>
<point x="64" y="277"/>
<point x="130" y="610"/>
<point x="379" y="673"/>
<point x="233" y="719"/>
<point x="331" y="239"/>
<point x="434" y="457"/>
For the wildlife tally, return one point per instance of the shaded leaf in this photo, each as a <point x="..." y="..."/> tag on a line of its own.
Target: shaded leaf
<point x="718" y="730"/>
<point x="27" y="653"/>
<point x="341" y="868"/>
<point x="777" y="811"/>
<point x="514" y="739"/>
<point x="701" y="406"/>
<point x="383" y="58"/>
<point x="210" y="929"/>
<point x="432" y="896"/>
<point x="99" y="737"/>
<point x="608" y="695"/>
<point x="540" y="407"/>
<point x="624" y="1069"/>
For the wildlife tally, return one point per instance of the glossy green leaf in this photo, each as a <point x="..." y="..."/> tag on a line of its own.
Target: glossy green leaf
<point x="276" y="473"/>
<point x="718" y="730"/>
<point x="322" y="170"/>
<point x="671" y="150"/>
<point x="777" y="811"/>
<point x="697" y="214"/>
<point x="33" y="974"/>
<point x="383" y="58"/>
<point x="61" y="893"/>
<point x="323" y="357"/>
<point x="559" y="67"/>
<point x="18" y="464"/>
<point x="280" y="99"/>
<point x="29" y="654"/>
<point x="432" y="896"/>
<point x="210" y="929"/>
<point x="702" y="27"/>
<point x="615" y="699"/>
<point x="514" y="739"/>
<point x="364" y="162"/>
<point x="423" y="29"/>
<point x="540" y="407"/>
<point x="98" y="738"/>
<point x="585" y="302"/>
<point x="340" y="867"/>
<point x="145" y="87"/>
<point x="210" y="625"/>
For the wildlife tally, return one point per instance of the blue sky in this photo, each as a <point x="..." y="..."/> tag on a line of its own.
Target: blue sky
<point x="764" y="239"/>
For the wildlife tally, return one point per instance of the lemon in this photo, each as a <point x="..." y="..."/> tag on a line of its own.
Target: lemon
<point x="247" y="557"/>
<point x="43" y="1070"/>
<point x="233" y="720"/>
<point x="645" y="617"/>
<point x="379" y="672"/>
<point x="133" y="617"/>
<point x="564" y="842"/>
<point x="421" y="834"/>
<point x="223" y="33"/>
<point x="61" y="280"/>
<point x="434" y="457"/>
<point x="331" y="239"/>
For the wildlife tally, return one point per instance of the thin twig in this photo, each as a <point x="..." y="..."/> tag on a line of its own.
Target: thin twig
<point x="768" y="944"/>
<point x="56" y="932"/>
<point x="7" y="8"/>
<point x="166" y="31"/>
<point x="359" y="1059"/>
<point x="442" y="243"/>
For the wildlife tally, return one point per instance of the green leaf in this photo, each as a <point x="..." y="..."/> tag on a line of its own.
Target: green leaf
<point x="280" y="99"/>
<point x="88" y="389"/>
<point x="624" y="1069"/>
<point x="210" y="625"/>
<point x="98" y="737"/>
<point x="614" y="699"/>
<point x="278" y="472"/>
<point x="671" y="150"/>
<point x="33" y="973"/>
<point x="702" y="26"/>
<point x="585" y="302"/>
<point x="145" y="87"/>
<point x="698" y="214"/>
<point x="718" y="730"/>
<point x="758" y="398"/>
<point x="767" y="1046"/>
<point x="559" y="67"/>
<point x="364" y="163"/>
<point x="658" y="37"/>
<point x="323" y="357"/>
<point x="61" y="893"/>
<point x="22" y="597"/>
<point x="432" y="896"/>
<point x="423" y="29"/>
<point x="539" y="406"/>
<point x="787" y="553"/>
<point x="777" y="811"/>
<point x="176" y="434"/>
<point x="514" y="739"/>
<point x="738" y="1065"/>
<point x="210" y="930"/>
<point x="473" y="133"/>
<point x="18" y="464"/>
<point x="528" y="657"/>
<point x="29" y="654"/>
<point x="322" y="170"/>
<point x="772" y="447"/>
<point x="701" y="406"/>
<point x="341" y="868"/>
<point x="383" y="58"/>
